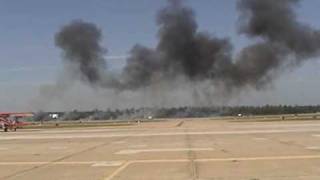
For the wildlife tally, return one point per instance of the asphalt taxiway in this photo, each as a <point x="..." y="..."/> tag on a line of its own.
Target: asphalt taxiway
<point x="174" y="149"/>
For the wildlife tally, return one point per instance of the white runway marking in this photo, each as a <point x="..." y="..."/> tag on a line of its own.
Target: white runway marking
<point x="92" y="163"/>
<point x="260" y="139"/>
<point x="116" y="172"/>
<point x="81" y="136"/>
<point x="277" y="125"/>
<point x="119" y="163"/>
<point x="88" y="130"/>
<point x="119" y="142"/>
<point x="313" y="147"/>
<point x="108" y="164"/>
<point x="57" y="147"/>
<point x="136" y="151"/>
<point x="138" y="146"/>
<point x="260" y="158"/>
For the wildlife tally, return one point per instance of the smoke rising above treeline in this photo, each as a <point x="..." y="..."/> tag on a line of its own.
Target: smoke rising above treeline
<point x="279" y="41"/>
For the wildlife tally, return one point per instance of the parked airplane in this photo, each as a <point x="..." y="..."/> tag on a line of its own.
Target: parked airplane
<point x="10" y="121"/>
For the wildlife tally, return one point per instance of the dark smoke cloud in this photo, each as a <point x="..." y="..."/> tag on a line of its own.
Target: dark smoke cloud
<point x="142" y="65"/>
<point x="80" y="42"/>
<point x="282" y="41"/>
<point x="279" y="40"/>
<point x="182" y="50"/>
<point x="275" y="21"/>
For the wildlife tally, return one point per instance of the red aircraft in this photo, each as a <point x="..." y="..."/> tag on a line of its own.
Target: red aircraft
<point x="10" y="121"/>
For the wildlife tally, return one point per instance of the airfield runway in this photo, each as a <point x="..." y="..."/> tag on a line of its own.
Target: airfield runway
<point x="177" y="149"/>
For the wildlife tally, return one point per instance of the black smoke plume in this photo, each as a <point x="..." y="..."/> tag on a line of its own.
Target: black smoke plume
<point x="181" y="51"/>
<point x="83" y="53"/>
<point x="282" y="41"/>
<point x="279" y="41"/>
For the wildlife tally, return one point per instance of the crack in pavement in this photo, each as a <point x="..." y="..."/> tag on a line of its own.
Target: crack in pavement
<point x="191" y="157"/>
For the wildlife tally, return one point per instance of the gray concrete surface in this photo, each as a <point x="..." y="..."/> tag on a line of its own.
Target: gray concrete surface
<point x="177" y="149"/>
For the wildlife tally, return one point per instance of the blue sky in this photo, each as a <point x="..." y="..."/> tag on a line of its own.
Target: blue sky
<point x="29" y="58"/>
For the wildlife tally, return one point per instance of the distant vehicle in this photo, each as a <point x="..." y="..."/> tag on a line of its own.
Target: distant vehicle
<point x="54" y="116"/>
<point x="10" y="121"/>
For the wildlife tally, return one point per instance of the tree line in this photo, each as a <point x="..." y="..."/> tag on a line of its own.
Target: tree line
<point x="176" y="112"/>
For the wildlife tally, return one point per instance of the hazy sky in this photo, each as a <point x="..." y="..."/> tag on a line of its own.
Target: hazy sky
<point x="29" y="58"/>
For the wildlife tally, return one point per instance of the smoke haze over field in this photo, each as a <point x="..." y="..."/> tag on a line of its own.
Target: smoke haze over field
<point x="196" y="61"/>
